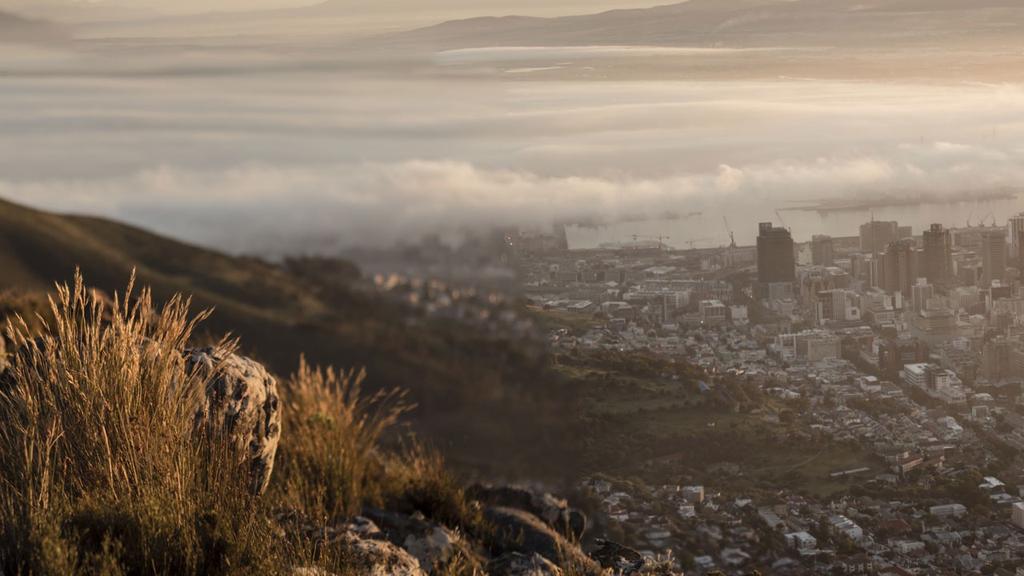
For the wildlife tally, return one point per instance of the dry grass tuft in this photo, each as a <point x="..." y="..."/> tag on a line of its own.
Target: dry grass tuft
<point x="327" y="461"/>
<point x="101" y="468"/>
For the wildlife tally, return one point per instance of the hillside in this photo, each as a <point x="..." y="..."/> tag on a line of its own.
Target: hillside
<point x="746" y="23"/>
<point x="470" y="390"/>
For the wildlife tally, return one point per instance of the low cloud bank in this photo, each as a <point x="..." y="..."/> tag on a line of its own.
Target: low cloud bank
<point x="275" y="210"/>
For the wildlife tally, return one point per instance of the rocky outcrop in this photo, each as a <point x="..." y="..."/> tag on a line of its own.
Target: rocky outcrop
<point x="433" y="545"/>
<point x="518" y="564"/>
<point x="554" y="511"/>
<point x="517" y="530"/>
<point x="377" y="557"/>
<point x="360" y="542"/>
<point x="621" y="559"/>
<point x="242" y="405"/>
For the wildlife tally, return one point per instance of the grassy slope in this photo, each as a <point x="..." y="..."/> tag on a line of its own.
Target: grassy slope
<point x="648" y="418"/>
<point x="472" y="394"/>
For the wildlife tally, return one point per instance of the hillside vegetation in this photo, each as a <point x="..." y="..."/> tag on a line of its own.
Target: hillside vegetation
<point x="106" y="469"/>
<point x="472" y="392"/>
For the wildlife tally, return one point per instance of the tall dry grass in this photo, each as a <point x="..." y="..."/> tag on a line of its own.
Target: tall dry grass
<point x="99" y="466"/>
<point x="327" y="464"/>
<point x="103" y="472"/>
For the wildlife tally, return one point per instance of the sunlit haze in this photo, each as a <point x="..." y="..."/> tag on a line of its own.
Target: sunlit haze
<point x="614" y="287"/>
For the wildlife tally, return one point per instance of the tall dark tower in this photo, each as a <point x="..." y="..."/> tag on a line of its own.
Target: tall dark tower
<point x="822" y="253"/>
<point x="938" y="254"/>
<point x="993" y="257"/>
<point x="900" y="268"/>
<point x="776" y="260"/>
<point x="875" y="236"/>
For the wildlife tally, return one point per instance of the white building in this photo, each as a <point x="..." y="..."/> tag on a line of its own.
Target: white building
<point x="1018" y="515"/>
<point x="916" y="375"/>
<point x="846" y="527"/>
<point x="693" y="494"/>
<point x="801" y="541"/>
<point x="948" y="510"/>
<point x="906" y="547"/>
<point x="809" y="345"/>
<point x="713" y="312"/>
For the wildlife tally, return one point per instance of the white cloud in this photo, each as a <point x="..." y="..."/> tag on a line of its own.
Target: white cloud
<point x="273" y="208"/>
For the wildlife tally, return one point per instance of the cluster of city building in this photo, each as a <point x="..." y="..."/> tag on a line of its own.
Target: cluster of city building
<point x="910" y="347"/>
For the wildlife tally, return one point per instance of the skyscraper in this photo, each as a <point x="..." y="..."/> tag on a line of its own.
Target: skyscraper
<point x="1015" y="229"/>
<point x="876" y="236"/>
<point x="899" y="268"/>
<point x="821" y="251"/>
<point x="776" y="260"/>
<point x="923" y="291"/>
<point x="993" y="257"/>
<point x="938" y="254"/>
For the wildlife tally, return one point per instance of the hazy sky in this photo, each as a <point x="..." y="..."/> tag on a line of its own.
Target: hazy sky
<point x="274" y="145"/>
<point x="443" y="8"/>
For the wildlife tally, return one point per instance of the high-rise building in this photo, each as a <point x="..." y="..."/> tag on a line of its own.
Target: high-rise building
<point x="1015" y="232"/>
<point x="821" y="251"/>
<point x="837" y="305"/>
<point x="993" y="258"/>
<point x="995" y="359"/>
<point x="923" y="291"/>
<point x="938" y="254"/>
<point x="894" y="354"/>
<point x="899" y="268"/>
<point x="776" y="260"/>
<point x="876" y="236"/>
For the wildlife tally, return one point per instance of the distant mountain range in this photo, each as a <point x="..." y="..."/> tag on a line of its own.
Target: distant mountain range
<point x="753" y="23"/>
<point x="15" y="29"/>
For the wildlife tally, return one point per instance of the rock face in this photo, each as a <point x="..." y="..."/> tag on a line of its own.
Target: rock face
<point x="378" y="558"/>
<point x="621" y="559"/>
<point x="433" y="545"/>
<point x="364" y="549"/>
<point x="242" y="405"/>
<point x="517" y="564"/>
<point x="520" y="531"/>
<point x="554" y="511"/>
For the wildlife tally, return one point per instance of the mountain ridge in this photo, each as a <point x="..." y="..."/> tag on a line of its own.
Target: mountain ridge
<point x="734" y="23"/>
<point x="15" y="29"/>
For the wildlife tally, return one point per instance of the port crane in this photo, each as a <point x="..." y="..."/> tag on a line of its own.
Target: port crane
<point x="732" y="237"/>
<point x="781" y="219"/>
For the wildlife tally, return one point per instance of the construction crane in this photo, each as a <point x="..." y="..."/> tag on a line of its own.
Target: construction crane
<point x="783" y="221"/>
<point x="732" y="237"/>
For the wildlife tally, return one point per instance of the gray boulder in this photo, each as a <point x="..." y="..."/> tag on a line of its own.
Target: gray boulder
<point x="434" y="545"/>
<point x="359" y="542"/>
<point x="242" y="404"/>
<point x="377" y="558"/>
<point x="621" y="559"/>
<point x="517" y="530"/>
<point x="518" y="564"/>
<point x="554" y="511"/>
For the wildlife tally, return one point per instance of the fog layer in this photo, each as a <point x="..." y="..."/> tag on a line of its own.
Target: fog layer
<point x="273" y="147"/>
